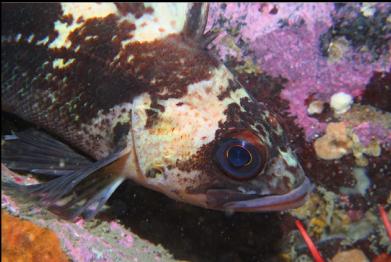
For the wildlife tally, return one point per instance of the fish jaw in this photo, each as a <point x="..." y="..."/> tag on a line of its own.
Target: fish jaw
<point x="252" y="203"/>
<point x="293" y="199"/>
<point x="283" y="186"/>
<point x="273" y="195"/>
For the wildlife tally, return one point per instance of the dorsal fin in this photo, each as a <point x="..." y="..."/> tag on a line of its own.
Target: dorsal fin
<point x="197" y="17"/>
<point x="196" y="20"/>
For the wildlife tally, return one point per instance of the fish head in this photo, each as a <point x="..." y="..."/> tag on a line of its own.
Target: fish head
<point x="218" y="148"/>
<point x="256" y="175"/>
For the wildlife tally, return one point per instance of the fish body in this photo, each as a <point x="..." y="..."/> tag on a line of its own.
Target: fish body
<point x="133" y="87"/>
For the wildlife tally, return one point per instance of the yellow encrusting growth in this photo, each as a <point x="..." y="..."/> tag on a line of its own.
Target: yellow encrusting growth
<point x="340" y="140"/>
<point x="334" y="144"/>
<point x="337" y="49"/>
<point x="352" y="255"/>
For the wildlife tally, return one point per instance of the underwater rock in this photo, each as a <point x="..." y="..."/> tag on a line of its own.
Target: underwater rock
<point x="378" y="92"/>
<point x="288" y="43"/>
<point x="337" y="49"/>
<point x="334" y="223"/>
<point x="84" y="240"/>
<point x="361" y="187"/>
<point x="369" y="123"/>
<point x="365" y="26"/>
<point x="382" y="258"/>
<point x="341" y="139"/>
<point x="353" y="255"/>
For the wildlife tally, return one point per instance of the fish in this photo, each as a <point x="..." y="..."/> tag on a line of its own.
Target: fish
<point x="130" y="91"/>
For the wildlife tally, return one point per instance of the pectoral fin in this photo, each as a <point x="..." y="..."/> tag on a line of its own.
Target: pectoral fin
<point x="36" y="152"/>
<point x="77" y="192"/>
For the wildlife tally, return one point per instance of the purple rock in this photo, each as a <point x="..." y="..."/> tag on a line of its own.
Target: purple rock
<point x="368" y="131"/>
<point x="285" y="40"/>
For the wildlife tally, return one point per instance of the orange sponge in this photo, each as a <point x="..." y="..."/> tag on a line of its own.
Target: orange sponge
<point x="22" y="240"/>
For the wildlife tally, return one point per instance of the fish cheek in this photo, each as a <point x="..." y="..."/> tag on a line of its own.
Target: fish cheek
<point x="284" y="173"/>
<point x="177" y="184"/>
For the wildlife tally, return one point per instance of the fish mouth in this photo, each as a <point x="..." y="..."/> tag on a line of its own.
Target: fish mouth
<point x="293" y="199"/>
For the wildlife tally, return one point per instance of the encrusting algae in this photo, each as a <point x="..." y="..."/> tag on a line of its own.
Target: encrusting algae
<point x="23" y="241"/>
<point x="341" y="140"/>
<point x="354" y="255"/>
<point x="334" y="144"/>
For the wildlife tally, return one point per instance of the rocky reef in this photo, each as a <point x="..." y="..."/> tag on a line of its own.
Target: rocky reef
<point x="325" y="69"/>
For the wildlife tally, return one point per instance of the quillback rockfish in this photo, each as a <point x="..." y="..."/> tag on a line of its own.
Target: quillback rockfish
<point x="134" y="89"/>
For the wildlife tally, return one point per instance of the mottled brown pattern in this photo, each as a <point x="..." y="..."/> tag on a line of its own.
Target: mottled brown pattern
<point x="27" y="18"/>
<point x="237" y="122"/>
<point x="64" y="98"/>
<point x="60" y="100"/>
<point x="152" y="116"/>
<point x="238" y="125"/>
<point x="120" y="131"/>
<point x="255" y="111"/>
<point x="153" y="112"/>
<point x="95" y="37"/>
<point x="232" y="87"/>
<point x="167" y="66"/>
<point x="137" y="9"/>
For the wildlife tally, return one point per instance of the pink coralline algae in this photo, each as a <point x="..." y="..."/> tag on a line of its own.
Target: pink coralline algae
<point x="368" y="131"/>
<point x="127" y="239"/>
<point x="284" y="40"/>
<point x="83" y="240"/>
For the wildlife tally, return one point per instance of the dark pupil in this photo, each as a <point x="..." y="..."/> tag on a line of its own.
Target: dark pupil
<point x="238" y="156"/>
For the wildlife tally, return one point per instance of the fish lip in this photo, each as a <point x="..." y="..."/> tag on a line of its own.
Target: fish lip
<point x="293" y="199"/>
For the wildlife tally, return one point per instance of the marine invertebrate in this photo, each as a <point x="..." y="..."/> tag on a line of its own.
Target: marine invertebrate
<point x="368" y="123"/>
<point x="335" y="143"/>
<point x="340" y="102"/>
<point x="385" y="220"/>
<point x="311" y="246"/>
<point x="21" y="240"/>
<point x="353" y="255"/>
<point x="341" y="139"/>
<point x="315" y="107"/>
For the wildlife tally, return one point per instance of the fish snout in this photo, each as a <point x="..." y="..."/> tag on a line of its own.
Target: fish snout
<point x="283" y="186"/>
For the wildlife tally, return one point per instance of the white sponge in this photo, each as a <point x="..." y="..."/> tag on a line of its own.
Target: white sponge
<point x="341" y="102"/>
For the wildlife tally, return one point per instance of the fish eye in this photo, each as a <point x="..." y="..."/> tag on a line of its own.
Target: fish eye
<point x="238" y="156"/>
<point x="239" y="159"/>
